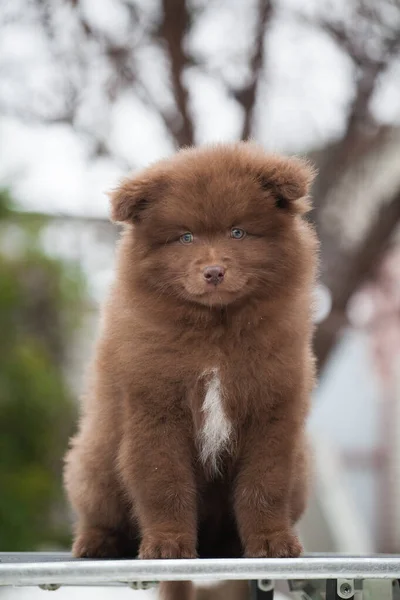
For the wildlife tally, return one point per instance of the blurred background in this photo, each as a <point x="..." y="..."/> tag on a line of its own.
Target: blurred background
<point x="93" y="89"/>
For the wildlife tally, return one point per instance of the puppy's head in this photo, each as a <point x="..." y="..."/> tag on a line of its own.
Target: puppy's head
<point x="216" y="225"/>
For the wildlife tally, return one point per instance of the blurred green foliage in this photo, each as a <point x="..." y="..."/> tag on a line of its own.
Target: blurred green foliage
<point x="41" y="299"/>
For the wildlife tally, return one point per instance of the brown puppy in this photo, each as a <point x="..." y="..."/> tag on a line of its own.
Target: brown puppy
<point x="192" y="441"/>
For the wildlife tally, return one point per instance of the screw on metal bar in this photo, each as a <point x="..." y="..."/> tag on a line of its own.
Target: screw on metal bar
<point x="142" y="585"/>
<point x="49" y="587"/>
<point x="345" y="588"/>
<point x="265" y="585"/>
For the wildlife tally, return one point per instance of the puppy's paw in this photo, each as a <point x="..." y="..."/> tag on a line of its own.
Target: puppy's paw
<point x="166" y="546"/>
<point x="280" y="544"/>
<point x="99" y="543"/>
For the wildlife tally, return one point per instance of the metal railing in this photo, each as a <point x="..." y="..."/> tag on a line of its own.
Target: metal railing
<point x="24" y="569"/>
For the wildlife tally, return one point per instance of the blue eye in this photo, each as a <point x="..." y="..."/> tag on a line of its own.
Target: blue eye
<point x="186" y="238"/>
<point x="237" y="234"/>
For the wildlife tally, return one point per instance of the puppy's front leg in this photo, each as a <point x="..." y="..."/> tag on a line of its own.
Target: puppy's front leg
<point x="263" y="491"/>
<point x="156" y="465"/>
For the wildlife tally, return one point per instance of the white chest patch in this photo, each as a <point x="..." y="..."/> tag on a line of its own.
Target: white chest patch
<point x="217" y="429"/>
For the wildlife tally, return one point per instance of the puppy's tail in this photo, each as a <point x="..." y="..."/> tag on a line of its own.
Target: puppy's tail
<point x="185" y="590"/>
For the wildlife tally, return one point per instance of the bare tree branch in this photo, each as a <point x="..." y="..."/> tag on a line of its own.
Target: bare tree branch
<point x="173" y="30"/>
<point x="351" y="272"/>
<point x="361" y="129"/>
<point x="247" y="95"/>
<point x="362" y="136"/>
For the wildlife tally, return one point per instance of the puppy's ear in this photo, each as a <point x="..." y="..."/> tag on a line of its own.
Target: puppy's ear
<point x="134" y="196"/>
<point x="289" y="181"/>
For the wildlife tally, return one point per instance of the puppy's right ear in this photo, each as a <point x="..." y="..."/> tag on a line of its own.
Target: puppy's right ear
<point x="133" y="197"/>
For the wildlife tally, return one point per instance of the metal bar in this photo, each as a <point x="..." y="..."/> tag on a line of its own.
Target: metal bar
<point x="15" y="571"/>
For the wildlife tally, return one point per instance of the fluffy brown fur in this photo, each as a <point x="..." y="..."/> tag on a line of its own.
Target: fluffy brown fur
<point x="191" y="441"/>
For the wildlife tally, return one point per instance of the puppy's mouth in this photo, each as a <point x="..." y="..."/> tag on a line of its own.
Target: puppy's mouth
<point x="211" y="294"/>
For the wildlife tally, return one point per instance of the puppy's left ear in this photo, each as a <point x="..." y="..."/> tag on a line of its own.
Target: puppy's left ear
<point x="289" y="181"/>
<point x="132" y="200"/>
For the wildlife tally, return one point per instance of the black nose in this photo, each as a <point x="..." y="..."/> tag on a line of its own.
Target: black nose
<point x="214" y="274"/>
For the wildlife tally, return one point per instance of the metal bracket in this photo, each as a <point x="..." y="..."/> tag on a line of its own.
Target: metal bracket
<point x="345" y="588"/>
<point x="50" y="587"/>
<point x="339" y="589"/>
<point x="262" y="589"/>
<point x="142" y="585"/>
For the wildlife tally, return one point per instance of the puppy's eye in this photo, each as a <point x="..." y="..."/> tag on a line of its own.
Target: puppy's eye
<point x="186" y="238"/>
<point x="237" y="234"/>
